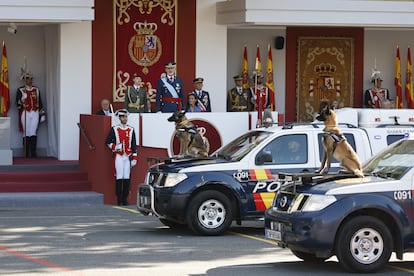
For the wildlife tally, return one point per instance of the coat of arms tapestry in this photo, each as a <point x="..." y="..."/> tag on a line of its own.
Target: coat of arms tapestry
<point x="324" y="72"/>
<point x="144" y="34"/>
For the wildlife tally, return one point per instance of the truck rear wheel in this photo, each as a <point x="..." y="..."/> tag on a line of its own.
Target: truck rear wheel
<point x="364" y="244"/>
<point x="209" y="213"/>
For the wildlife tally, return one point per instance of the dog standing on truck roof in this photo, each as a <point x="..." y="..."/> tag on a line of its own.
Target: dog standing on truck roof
<point x="335" y="144"/>
<point x="191" y="142"/>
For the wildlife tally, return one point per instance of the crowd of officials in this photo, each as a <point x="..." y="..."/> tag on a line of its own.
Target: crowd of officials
<point x="170" y="95"/>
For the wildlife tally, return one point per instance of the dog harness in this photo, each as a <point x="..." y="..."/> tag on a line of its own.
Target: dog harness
<point x="337" y="138"/>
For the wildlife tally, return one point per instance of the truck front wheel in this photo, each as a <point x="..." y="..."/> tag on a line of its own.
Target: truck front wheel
<point x="364" y="244"/>
<point x="209" y="213"/>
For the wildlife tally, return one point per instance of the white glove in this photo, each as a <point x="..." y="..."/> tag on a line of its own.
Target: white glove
<point x="118" y="147"/>
<point x="133" y="163"/>
<point x="24" y="96"/>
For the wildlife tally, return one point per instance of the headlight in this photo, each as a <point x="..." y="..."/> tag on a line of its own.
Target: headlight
<point x="318" y="202"/>
<point x="173" y="179"/>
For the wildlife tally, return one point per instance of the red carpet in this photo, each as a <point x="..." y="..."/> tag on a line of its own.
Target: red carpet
<point x="43" y="175"/>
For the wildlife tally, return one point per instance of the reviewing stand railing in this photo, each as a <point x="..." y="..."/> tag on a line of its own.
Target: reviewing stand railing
<point x="86" y="138"/>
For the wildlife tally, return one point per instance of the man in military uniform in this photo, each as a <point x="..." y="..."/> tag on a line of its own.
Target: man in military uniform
<point x="170" y="90"/>
<point x="121" y="140"/>
<point x="239" y="98"/>
<point x="136" y="97"/>
<point x="202" y="96"/>
<point x="31" y="111"/>
<point x="376" y="96"/>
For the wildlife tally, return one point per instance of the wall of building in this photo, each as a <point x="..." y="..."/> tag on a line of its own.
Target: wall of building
<point x="380" y="46"/>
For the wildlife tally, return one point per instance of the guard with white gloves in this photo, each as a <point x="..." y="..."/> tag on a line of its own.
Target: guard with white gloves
<point x="122" y="141"/>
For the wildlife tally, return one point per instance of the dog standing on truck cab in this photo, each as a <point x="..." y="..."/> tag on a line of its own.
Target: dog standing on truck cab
<point x="191" y="142"/>
<point x="335" y="144"/>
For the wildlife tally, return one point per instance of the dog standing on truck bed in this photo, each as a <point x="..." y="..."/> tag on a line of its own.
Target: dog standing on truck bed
<point x="335" y="144"/>
<point x="191" y="142"/>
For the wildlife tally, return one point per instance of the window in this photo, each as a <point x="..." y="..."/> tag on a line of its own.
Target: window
<point x="287" y="149"/>
<point x="394" y="137"/>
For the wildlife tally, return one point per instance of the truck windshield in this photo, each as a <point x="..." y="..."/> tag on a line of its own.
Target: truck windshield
<point x="239" y="147"/>
<point x="393" y="162"/>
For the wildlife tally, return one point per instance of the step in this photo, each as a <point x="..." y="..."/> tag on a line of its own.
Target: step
<point x="50" y="199"/>
<point x="45" y="176"/>
<point x="41" y="186"/>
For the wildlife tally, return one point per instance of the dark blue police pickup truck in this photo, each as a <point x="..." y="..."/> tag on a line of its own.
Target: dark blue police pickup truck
<point x="360" y="220"/>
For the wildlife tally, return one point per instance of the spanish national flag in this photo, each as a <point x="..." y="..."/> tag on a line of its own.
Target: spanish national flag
<point x="245" y="69"/>
<point x="409" y="81"/>
<point x="269" y="77"/>
<point x="397" y="80"/>
<point x="4" y="84"/>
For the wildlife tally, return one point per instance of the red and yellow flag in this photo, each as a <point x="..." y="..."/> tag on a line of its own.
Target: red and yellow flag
<point x="4" y="84"/>
<point x="245" y="69"/>
<point x="397" y="80"/>
<point x="258" y="64"/>
<point x="409" y="81"/>
<point x="269" y="77"/>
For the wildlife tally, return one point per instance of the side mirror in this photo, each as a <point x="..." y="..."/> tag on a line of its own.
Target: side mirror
<point x="263" y="157"/>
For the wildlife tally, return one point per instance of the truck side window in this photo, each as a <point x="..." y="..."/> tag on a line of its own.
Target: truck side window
<point x="394" y="137"/>
<point x="349" y="137"/>
<point x="288" y="149"/>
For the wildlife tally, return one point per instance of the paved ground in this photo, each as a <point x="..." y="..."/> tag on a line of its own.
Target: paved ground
<point x="110" y="240"/>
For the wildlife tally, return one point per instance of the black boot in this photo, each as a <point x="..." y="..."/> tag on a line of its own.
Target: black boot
<point x="33" y="145"/>
<point x="26" y="146"/>
<point x="118" y="191"/>
<point x="125" y="191"/>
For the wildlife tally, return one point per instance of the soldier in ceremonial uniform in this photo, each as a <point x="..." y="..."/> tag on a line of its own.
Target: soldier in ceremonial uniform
<point x="202" y="96"/>
<point x="170" y="90"/>
<point x="239" y="98"/>
<point x="136" y="97"/>
<point x="29" y="104"/>
<point x="122" y="141"/>
<point x="260" y="93"/>
<point x="376" y="96"/>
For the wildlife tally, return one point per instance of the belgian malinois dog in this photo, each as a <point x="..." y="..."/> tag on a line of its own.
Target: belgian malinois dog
<point x="336" y="145"/>
<point x="191" y="142"/>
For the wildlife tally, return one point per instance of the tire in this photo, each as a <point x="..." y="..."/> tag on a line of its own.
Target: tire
<point x="364" y="244"/>
<point x="308" y="257"/>
<point x="172" y="224"/>
<point x="209" y="213"/>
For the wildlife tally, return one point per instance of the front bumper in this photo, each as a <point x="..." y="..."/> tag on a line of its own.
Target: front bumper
<point x="161" y="202"/>
<point x="312" y="232"/>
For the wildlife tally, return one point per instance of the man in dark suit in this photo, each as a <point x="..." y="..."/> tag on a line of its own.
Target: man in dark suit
<point x="170" y="90"/>
<point x="105" y="104"/>
<point x="136" y="97"/>
<point x="202" y="96"/>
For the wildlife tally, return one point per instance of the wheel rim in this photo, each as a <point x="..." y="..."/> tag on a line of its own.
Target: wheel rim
<point x="367" y="246"/>
<point x="211" y="214"/>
